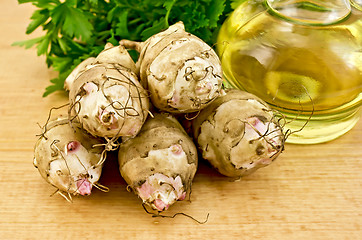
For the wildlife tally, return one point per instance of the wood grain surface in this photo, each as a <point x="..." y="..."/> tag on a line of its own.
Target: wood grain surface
<point x="310" y="192"/>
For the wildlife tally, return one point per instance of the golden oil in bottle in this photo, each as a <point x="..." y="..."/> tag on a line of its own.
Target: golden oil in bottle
<point x="309" y="72"/>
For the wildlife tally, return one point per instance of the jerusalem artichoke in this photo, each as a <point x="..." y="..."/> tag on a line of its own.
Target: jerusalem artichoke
<point x="106" y="96"/>
<point x="238" y="133"/>
<point x="182" y="73"/>
<point x="67" y="157"/>
<point x="159" y="164"/>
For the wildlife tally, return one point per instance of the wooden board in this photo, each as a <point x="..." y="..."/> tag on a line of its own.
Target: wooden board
<point x="310" y="192"/>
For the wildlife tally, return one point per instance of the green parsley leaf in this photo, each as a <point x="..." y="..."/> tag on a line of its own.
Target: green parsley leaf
<point x="77" y="24"/>
<point x="158" y="25"/>
<point x="39" y="17"/>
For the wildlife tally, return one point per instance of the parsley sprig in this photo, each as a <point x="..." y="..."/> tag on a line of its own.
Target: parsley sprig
<point x="77" y="29"/>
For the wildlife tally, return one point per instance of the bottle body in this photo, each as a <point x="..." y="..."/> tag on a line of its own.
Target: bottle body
<point x="310" y="74"/>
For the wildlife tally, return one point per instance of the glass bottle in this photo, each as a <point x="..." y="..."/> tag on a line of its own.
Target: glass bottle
<point x="304" y="58"/>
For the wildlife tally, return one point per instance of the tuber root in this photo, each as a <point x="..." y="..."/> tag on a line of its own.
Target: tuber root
<point x="182" y="73"/>
<point x="238" y="133"/>
<point x="159" y="164"/>
<point x="66" y="158"/>
<point x="106" y="96"/>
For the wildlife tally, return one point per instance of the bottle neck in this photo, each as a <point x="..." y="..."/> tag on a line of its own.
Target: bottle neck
<point x="313" y="12"/>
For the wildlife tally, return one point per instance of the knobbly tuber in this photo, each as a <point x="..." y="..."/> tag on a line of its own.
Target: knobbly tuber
<point x="106" y="96"/>
<point x="159" y="164"/>
<point x="238" y="133"/>
<point x="67" y="157"/>
<point x="182" y="73"/>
